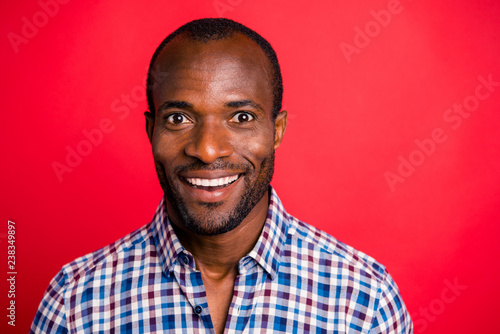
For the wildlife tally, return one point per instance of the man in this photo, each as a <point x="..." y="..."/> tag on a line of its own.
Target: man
<point x="221" y="254"/>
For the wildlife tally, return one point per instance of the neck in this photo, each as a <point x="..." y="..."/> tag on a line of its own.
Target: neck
<point x="218" y="256"/>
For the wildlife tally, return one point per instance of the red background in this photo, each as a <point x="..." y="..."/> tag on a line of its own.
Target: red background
<point x="349" y="122"/>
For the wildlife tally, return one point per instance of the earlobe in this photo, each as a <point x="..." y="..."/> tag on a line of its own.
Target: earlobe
<point x="150" y="124"/>
<point x="279" y="128"/>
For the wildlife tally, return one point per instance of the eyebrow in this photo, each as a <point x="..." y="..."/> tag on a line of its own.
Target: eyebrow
<point x="244" y="103"/>
<point x="175" y="104"/>
<point x="232" y="104"/>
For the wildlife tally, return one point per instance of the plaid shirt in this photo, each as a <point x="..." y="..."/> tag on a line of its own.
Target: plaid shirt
<point x="297" y="279"/>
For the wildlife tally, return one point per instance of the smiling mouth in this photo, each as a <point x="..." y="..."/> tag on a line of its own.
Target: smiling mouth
<point x="211" y="184"/>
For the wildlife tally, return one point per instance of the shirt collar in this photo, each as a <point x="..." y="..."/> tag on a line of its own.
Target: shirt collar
<point x="167" y="244"/>
<point x="266" y="252"/>
<point x="268" y="249"/>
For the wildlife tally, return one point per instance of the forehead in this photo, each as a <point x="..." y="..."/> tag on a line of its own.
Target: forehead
<point x="221" y="70"/>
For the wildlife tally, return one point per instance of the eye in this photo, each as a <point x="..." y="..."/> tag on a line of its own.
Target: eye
<point x="177" y="119"/>
<point x="242" y="117"/>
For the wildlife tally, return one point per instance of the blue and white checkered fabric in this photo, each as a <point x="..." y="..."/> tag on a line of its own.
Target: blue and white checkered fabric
<point x="297" y="279"/>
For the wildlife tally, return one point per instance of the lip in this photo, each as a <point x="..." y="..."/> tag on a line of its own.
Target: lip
<point x="212" y="184"/>
<point x="209" y="194"/>
<point x="209" y="174"/>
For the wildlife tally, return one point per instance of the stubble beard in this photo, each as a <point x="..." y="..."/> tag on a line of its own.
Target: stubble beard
<point x="214" y="221"/>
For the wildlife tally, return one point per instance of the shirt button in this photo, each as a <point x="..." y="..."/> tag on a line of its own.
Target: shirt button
<point x="185" y="259"/>
<point x="198" y="309"/>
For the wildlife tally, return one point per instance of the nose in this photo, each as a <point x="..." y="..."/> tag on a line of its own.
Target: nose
<point x="209" y="142"/>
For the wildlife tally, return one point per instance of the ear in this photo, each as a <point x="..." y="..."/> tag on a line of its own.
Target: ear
<point x="150" y="124"/>
<point x="279" y="128"/>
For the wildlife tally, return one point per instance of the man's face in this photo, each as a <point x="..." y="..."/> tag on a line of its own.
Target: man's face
<point x="213" y="135"/>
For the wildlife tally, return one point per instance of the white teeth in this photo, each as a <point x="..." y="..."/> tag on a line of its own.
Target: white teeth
<point x="212" y="182"/>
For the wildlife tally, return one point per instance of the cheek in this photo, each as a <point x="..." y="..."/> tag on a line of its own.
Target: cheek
<point x="255" y="148"/>
<point x="166" y="145"/>
<point x="158" y="150"/>
<point x="164" y="150"/>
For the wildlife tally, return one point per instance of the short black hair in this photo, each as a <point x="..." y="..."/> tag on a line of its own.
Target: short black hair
<point x="211" y="29"/>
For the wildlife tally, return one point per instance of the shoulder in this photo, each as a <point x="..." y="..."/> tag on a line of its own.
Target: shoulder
<point x="107" y="257"/>
<point x="53" y="310"/>
<point x="345" y="278"/>
<point x="326" y="248"/>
